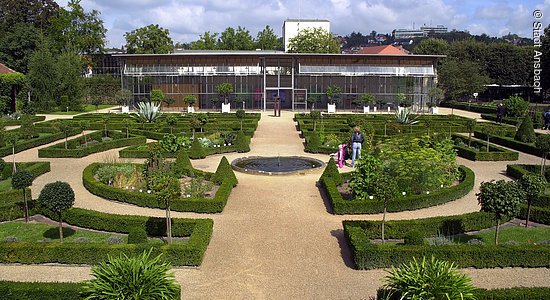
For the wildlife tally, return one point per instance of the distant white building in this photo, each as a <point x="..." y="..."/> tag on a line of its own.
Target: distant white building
<point x="291" y="27"/>
<point x="424" y="31"/>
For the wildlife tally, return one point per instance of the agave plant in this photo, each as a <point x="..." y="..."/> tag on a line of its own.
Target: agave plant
<point x="404" y="117"/>
<point x="148" y="112"/>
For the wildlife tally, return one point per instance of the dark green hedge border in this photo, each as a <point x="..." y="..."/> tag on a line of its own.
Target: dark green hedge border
<point x="132" y="152"/>
<point x="23" y="145"/>
<point x="367" y="255"/>
<point x="540" y="210"/>
<point x="484" y="109"/>
<point x="190" y="253"/>
<point x="495" y="153"/>
<point x="509" y="142"/>
<point x="199" y="205"/>
<point x="522" y="293"/>
<point x="342" y="207"/>
<point x="119" y="140"/>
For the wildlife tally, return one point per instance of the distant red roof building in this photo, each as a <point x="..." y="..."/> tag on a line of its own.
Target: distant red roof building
<point x="387" y="49"/>
<point x="5" y="70"/>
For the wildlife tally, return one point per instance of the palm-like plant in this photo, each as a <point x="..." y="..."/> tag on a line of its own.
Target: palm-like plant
<point x="148" y="112"/>
<point x="428" y="279"/>
<point x="140" y="277"/>
<point x="404" y="117"/>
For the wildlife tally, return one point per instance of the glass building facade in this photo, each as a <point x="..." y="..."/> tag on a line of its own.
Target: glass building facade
<point x="260" y="76"/>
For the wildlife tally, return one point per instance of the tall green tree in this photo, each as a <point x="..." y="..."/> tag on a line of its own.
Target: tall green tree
<point x="206" y="41"/>
<point x="17" y="45"/>
<point x="432" y="46"/>
<point x="167" y="189"/>
<point x="460" y="79"/>
<point x="545" y="59"/>
<point x="502" y="198"/>
<point x="244" y="40"/>
<point x="469" y="50"/>
<point x="227" y="40"/>
<point x="509" y="64"/>
<point x="77" y="31"/>
<point x="151" y="39"/>
<point x="37" y="13"/>
<point x="42" y="84"/>
<point x="69" y="80"/>
<point x="314" y="40"/>
<point x="267" y="39"/>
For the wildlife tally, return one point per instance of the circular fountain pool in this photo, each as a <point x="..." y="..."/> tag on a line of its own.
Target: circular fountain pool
<point x="277" y="165"/>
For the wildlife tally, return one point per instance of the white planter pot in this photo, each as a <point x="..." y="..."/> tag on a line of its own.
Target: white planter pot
<point x="331" y="108"/>
<point x="374" y="108"/>
<point x="190" y="109"/>
<point x="434" y="110"/>
<point x="366" y="109"/>
<point x="226" y="108"/>
<point x="399" y="109"/>
<point x="125" y="109"/>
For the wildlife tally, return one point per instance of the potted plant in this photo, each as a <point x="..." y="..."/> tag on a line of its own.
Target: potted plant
<point x="432" y="108"/>
<point x="224" y="90"/>
<point x="403" y="102"/>
<point x="366" y="100"/>
<point x="123" y="98"/>
<point x="333" y="96"/>
<point x="312" y="99"/>
<point x="190" y="100"/>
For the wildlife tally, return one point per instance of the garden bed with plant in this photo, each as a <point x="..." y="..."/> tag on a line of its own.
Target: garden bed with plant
<point x="473" y="149"/>
<point x="37" y="139"/>
<point x="540" y="207"/>
<point x="202" y="192"/>
<point x="430" y="237"/>
<point x="91" y="143"/>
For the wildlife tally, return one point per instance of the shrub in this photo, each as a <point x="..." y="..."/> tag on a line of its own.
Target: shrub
<point x="242" y="143"/>
<point x="429" y="279"/>
<point x="183" y="164"/>
<point x="57" y="197"/>
<point x="516" y="106"/>
<point x="196" y="151"/>
<point x="225" y="172"/>
<point x="414" y="237"/>
<point x="137" y="235"/>
<point x="525" y="132"/>
<point x="314" y="142"/>
<point x="140" y="277"/>
<point x="331" y="171"/>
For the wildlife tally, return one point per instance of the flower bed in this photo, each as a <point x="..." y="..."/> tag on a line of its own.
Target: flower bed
<point x="368" y="255"/>
<point x="76" y="147"/>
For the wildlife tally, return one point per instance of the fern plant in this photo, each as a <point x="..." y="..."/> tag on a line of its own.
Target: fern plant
<point x="405" y="117"/>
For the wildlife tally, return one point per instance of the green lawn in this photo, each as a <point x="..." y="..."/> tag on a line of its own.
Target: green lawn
<point x="87" y="108"/>
<point x="34" y="232"/>
<point x="519" y="234"/>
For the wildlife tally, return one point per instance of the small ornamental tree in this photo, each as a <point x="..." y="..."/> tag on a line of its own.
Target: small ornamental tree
<point x="167" y="189"/>
<point x="126" y="124"/>
<point x="240" y="114"/>
<point x="488" y="130"/>
<point x="96" y="102"/>
<point x="171" y="120"/>
<point x="241" y="143"/>
<point x="366" y="99"/>
<point x="169" y="101"/>
<point x="64" y="128"/>
<point x="22" y="179"/>
<point x="225" y="172"/>
<point x="471" y="126"/>
<point x="543" y="144"/>
<point x="315" y="115"/>
<point x="11" y="138"/>
<point x="383" y="188"/>
<point x="85" y="124"/>
<point x="362" y="177"/>
<point x="333" y="93"/>
<point x="503" y="198"/>
<point x="123" y="97"/>
<point x="313" y="143"/>
<point x="224" y="90"/>
<point x="183" y="164"/>
<point x="331" y="171"/>
<point x="105" y="120"/>
<point x="533" y="185"/>
<point x="190" y="100"/>
<point x="526" y="132"/>
<point x="157" y="96"/>
<point x="57" y="197"/>
<point x="312" y="100"/>
<point x="516" y="106"/>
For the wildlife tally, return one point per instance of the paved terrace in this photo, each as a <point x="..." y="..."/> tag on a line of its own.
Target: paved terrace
<point x="275" y="238"/>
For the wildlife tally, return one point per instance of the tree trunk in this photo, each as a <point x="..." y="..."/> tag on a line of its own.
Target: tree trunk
<point x="168" y="225"/>
<point x="26" y="206"/>
<point x="528" y="213"/>
<point x="241" y="124"/>
<point x="469" y="139"/>
<point x="65" y="141"/>
<point x="487" y="143"/>
<point x="172" y="130"/>
<point x="13" y="154"/>
<point x="127" y="132"/>
<point x="385" y="126"/>
<point x="314" y="125"/>
<point x="383" y="223"/>
<point x="496" y="232"/>
<point x="105" y="130"/>
<point x="60" y="229"/>
<point x="541" y="161"/>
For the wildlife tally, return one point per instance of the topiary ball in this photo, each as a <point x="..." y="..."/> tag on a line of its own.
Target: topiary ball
<point x="137" y="235"/>
<point x="414" y="237"/>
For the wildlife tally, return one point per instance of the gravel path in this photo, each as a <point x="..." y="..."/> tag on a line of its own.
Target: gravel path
<point x="275" y="238"/>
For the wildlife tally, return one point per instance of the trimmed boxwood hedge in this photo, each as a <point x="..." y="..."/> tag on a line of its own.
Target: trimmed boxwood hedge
<point x="118" y="140"/>
<point x="521" y="293"/>
<point x="189" y="253"/>
<point x="42" y="139"/>
<point x="134" y="152"/>
<point x="495" y="153"/>
<point x="484" y="109"/>
<point x="340" y="206"/>
<point x="509" y="142"/>
<point x="540" y="210"/>
<point x="367" y="255"/>
<point x="199" y="205"/>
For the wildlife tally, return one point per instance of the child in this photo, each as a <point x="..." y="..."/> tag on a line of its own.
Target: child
<point x="341" y="155"/>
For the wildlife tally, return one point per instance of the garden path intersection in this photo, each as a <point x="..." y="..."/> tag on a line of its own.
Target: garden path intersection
<point x="275" y="238"/>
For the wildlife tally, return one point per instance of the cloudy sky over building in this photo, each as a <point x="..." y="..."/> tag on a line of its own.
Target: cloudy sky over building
<point x="186" y="19"/>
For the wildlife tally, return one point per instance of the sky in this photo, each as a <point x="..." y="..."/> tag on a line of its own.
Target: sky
<point x="187" y="19"/>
